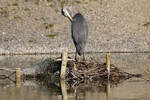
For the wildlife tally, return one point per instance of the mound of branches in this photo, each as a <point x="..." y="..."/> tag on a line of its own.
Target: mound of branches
<point x="94" y="71"/>
<point x="79" y="71"/>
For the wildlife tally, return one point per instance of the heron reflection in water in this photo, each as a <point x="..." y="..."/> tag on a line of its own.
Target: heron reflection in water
<point x="79" y="29"/>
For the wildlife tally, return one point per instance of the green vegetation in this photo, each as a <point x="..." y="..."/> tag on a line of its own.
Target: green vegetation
<point x="51" y="5"/>
<point x="17" y="17"/>
<point x="47" y="26"/>
<point x="15" y="4"/>
<point x="26" y="9"/>
<point x="62" y="3"/>
<point x="37" y="2"/>
<point x="5" y="40"/>
<point x="6" y="14"/>
<point x="146" y="24"/>
<point x="51" y="35"/>
<point x="49" y="0"/>
<point x="78" y="2"/>
<point x="32" y="40"/>
<point x="56" y="10"/>
<point x="93" y="0"/>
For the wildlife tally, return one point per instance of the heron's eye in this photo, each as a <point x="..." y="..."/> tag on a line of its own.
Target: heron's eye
<point x="62" y="12"/>
<point x="66" y="11"/>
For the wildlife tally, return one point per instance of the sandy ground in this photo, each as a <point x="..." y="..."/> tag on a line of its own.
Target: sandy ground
<point x="37" y="26"/>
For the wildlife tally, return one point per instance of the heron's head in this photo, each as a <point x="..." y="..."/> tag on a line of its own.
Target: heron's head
<point x="67" y="12"/>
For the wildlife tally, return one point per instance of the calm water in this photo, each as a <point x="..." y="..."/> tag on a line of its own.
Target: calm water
<point x="132" y="89"/>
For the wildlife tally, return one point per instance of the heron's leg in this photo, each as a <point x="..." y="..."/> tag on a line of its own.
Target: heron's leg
<point x="75" y="60"/>
<point x="76" y="56"/>
<point x="83" y="57"/>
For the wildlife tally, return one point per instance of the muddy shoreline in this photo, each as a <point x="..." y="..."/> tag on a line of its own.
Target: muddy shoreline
<point x="37" y="26"/>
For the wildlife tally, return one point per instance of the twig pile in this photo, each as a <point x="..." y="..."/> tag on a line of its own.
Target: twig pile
<point x="96" y="72"/>
<point x="79" y="71"/>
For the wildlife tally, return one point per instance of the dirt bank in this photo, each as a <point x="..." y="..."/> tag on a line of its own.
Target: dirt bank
<point x="37" y="26"/>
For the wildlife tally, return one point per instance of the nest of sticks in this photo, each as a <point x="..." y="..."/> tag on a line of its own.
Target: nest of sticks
<point x="94" y="71"/>
<point x="83" y="71"/>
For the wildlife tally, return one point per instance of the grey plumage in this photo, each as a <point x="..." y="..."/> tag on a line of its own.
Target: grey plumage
<point x="79" y="29"/>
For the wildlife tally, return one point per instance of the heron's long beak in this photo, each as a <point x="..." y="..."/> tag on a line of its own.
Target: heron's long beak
<point x="69" y="16"/>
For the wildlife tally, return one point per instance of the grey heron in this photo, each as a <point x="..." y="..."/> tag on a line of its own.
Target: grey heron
<point x="79" y="29"/>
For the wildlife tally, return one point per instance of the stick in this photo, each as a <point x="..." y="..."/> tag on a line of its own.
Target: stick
<point x="108" y="63"/>
<point x="64" y="64"/>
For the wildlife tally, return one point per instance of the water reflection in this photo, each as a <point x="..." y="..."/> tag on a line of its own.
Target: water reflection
<point x="64" y="90"/>
<point x="65" y="94"/>
<point x="108" y="90"/>
<point x="132" y="89"/>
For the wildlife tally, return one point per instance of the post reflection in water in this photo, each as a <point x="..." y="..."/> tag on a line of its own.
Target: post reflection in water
<point x="64" y="90"/>
<point x="66" y="95"/>
<point x="18" y="77"/>
<point x="108" y="90"/>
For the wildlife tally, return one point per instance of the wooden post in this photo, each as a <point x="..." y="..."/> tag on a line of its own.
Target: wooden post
<point x="18" y="76"/>
<point x="64" y="64"/>
<point x="108" y="69"/>
<point x="108" y="63"/>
